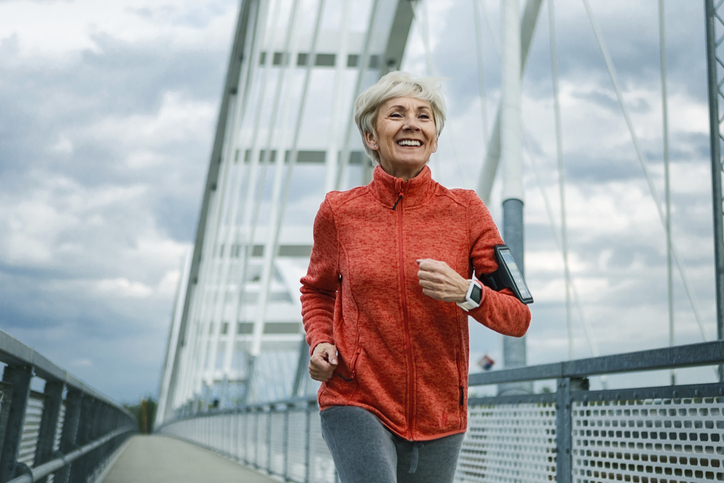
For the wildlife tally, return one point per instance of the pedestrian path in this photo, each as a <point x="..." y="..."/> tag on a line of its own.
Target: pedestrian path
<point x="161" y="459"/>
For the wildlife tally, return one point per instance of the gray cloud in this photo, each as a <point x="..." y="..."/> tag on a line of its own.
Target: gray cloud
<point x="103" y="159"/>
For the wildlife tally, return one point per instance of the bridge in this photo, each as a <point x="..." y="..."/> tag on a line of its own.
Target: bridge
<point x="235" y="402"/>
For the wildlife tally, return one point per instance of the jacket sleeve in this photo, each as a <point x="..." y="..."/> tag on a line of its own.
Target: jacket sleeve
<point x="499" y="311"/>
<point x="319" y="285"/>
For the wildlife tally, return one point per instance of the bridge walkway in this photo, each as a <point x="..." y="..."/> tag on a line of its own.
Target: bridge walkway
<point x="161" y="459"/>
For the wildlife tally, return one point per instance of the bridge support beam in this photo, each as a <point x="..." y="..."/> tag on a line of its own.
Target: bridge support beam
<point x="514" y="350"/>
<point x="70" y="431"/>
<point x="18" y="378"/>
<point x="49" y="422"/>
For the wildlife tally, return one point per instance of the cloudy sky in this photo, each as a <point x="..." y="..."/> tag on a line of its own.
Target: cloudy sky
<point x="107" y="112"/>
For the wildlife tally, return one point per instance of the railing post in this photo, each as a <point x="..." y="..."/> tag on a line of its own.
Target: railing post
<point x="235" y="434"/>
<point x="70" y="431"/>
<point x="563" y="431"/>
<point x="564" y="426"/>
<point x="257" y="440"/>
<point x="101" y="429"/>
<point x="269" y="428"/>
<point x="285" y="441"/>
<point x="229" y="438"/>
<point x="49" y="423"/>
<point x="19" y="378"/>
<point x="245" y="434"/>
<point x="81" y="465"/>
<point x="307" y="441"/>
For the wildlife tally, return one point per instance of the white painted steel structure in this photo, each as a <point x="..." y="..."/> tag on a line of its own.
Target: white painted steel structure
<point x="236" y="328"/>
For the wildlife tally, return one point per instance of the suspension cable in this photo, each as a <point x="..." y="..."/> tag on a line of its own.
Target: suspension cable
<point x="642" y="160"/>
<point x="667" y="191"/>
<point x="481" y="71"/>
<point x="561" y="170"/>
<point x="496" y="38"/>
<point x="423" y="27"/>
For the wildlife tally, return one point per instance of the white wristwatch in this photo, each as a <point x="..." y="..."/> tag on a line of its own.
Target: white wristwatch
<point x="473" y="296"/>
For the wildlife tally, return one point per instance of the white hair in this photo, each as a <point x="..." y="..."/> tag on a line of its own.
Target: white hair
<point x="390" y="86"/>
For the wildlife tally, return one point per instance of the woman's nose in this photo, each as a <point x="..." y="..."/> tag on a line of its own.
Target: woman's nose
<point x="411" y="123"/>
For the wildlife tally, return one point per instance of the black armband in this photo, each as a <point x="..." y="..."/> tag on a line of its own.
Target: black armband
<point x="508" y="275"/>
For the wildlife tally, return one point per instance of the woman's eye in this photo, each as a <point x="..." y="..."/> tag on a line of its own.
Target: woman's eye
<point x="424" y="116"/>
<point x="395" y="114"/>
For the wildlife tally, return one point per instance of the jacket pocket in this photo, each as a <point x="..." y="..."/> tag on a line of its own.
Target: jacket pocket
<point x="344" y="382"/>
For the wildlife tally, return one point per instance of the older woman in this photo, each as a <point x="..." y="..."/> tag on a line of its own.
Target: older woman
<point x="386" y="299"/>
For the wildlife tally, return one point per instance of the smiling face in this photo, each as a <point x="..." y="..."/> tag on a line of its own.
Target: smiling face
<point x="406" y="136"/>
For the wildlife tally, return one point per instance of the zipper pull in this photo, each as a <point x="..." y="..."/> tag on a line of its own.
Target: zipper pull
<point x="402" y="193"/>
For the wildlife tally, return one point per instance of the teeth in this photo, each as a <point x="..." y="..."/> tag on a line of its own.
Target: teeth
<point x="408" y="142"/>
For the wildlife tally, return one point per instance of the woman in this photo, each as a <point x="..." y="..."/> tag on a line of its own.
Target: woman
<point x="386" y="297"/>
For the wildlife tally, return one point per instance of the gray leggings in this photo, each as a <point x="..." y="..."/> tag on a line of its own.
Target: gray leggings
<point x="365" y="451"/>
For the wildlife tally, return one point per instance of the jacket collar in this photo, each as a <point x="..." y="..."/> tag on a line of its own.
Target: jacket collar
<point x="387" y="188"/>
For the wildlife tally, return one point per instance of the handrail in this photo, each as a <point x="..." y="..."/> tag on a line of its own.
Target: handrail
<point x="682" y="356"/>
<point x="14" y="352"/>
<point x="58" y="463"/>
<point x="91" y="421"/>
<point x="692" y="355"/>
<point x="562" y="429"/>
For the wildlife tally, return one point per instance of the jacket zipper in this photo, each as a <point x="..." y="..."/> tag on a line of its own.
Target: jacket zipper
<point x="408" y="342"/>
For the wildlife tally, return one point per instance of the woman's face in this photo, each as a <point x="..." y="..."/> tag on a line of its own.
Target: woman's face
<point x="406" y="136"/>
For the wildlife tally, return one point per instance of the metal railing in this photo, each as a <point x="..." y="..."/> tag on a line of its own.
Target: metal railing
<point x="643" y="434"/>
<point x="65" y="433"/>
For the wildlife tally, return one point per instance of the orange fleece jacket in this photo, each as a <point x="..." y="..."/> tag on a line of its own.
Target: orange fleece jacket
<point x="403" y="356"/>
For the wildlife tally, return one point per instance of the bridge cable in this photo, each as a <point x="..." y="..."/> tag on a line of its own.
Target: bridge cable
<point x="242" y="209"/>
<point x="496" y="38"/>
<point x="364" y="64"/>
<point x="424" y="30"/>
<point x="667" y="191"/>
<point x="199" y="314"/>
<point x="258" y="327"/>
<point x="481" y="70"/>
<point x="642" y="159"/>
<point x="561" y="171"/>
<point x="276" y="223"/>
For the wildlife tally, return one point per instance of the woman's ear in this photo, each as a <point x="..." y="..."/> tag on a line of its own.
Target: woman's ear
<point x="434" y="145"/>
<point x="370" y="140"/>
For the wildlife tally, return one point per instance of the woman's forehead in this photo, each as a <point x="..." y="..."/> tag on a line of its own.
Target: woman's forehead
<point x="405" y="103"/>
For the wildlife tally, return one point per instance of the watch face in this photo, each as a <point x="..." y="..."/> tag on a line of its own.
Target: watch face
<point x="477" y="294"/>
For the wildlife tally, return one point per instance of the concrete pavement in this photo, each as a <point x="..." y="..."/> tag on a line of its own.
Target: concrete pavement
<point x="161" y="459"/>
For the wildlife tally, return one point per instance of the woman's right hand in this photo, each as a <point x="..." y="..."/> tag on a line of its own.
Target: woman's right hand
<point x="323" y="362"/>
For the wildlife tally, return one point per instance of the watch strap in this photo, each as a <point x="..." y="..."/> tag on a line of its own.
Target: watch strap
<point x="470" y="302"/>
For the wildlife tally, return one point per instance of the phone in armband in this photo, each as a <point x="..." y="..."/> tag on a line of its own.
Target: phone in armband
<point x="508" y="275"/>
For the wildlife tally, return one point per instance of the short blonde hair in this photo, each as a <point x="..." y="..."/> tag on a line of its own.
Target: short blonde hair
<point x="390" y="86"/>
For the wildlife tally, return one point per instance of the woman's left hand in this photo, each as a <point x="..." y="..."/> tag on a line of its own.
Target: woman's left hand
<point x="441" y="282"/>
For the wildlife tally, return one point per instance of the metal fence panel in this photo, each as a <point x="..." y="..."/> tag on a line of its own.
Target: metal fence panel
<point x="277" y="436"/>
<point x="297" y="446"/>
<point x="671" y="439"/>
<point x="59" y="428"/>
<point x="251" y="438"/>
<point x="242" y="429"/>
<point x="31" y="428"/>
<point x="321" y="465"/>
<point x="509" y="443"/>
<point x="230" y="434"/>
<point x="262" y="443"/>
